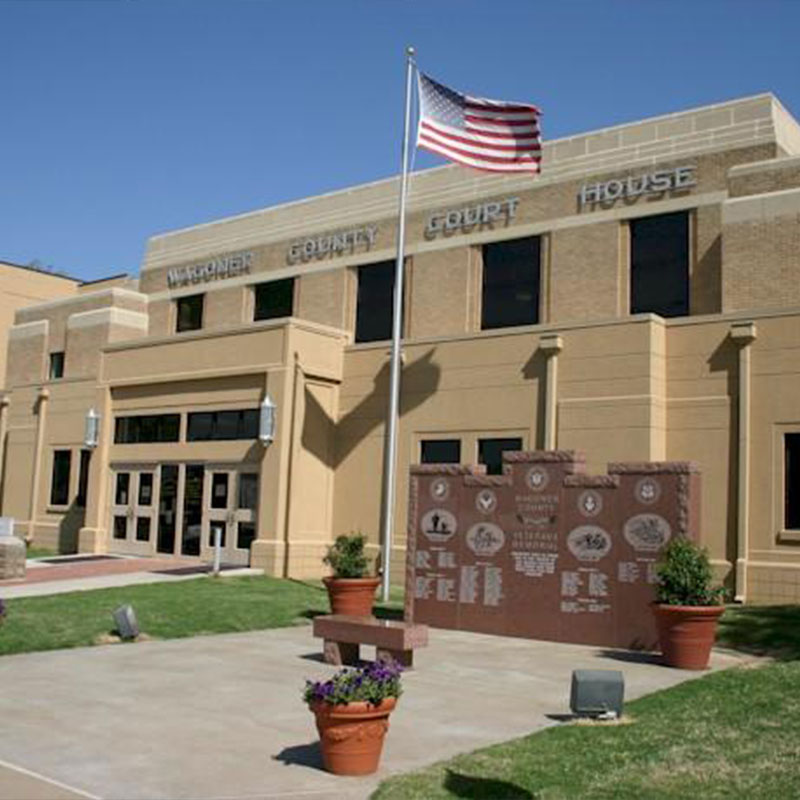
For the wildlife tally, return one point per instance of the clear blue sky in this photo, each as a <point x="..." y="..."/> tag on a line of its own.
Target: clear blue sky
<point x="125" y="118"/>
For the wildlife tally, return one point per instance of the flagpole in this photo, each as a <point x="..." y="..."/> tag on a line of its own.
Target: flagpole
<point x="390" y="451"/>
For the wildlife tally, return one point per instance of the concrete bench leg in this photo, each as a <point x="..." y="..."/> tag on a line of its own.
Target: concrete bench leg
<point x="405" y="658"/>
<point x="339" y="653"/>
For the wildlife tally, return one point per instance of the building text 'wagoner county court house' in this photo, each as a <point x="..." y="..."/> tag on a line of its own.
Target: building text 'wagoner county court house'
<point x="640" y="300"/>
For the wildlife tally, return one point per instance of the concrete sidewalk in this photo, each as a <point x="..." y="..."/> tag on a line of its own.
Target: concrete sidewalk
<point x="57" y="578"/>
<point x="221" y="716"/>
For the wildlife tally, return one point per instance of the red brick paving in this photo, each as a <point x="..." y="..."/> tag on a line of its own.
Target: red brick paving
<point x="91" y="569"/>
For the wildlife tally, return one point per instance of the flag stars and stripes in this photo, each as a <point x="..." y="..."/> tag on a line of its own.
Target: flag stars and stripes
<point x="477" y="132"/>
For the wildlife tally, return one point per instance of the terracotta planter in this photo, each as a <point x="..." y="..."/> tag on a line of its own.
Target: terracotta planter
<point x="686" y="634"/>
<point x="354" y="596"/>
<point x="351" y="735"/>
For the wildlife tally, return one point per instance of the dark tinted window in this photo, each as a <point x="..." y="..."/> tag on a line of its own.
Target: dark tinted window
<point x="490" y="452"/>
<point x="248" y="490"/>
<point x="792" y="482"/>
<point x="190" y="313"/>
<point x="374" y="303"/>
<point x="660" y="265"/>
<point x="59" y="488"/>
<point x="207" y="426"/>
<point x="56" y="365"/>
<point x="147" y="429"/>
<point x="83" y="478"/>
<point x="145" y="488"/>
<point x="219" y="490"/>
<point x="122" y="492"/>
<point x="274" y="299"/>
<point x="511" y="283"/>
<point x="440" y="451"/>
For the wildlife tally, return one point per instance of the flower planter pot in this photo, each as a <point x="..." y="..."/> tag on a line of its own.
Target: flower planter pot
<point x="353" y="596"/>
<point x="351" y="735"/>
<point x="686" y="633"/>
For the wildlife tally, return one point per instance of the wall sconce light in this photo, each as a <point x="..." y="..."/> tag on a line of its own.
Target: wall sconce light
<point x="91" y="435"/>
<point x="266" y="421"/>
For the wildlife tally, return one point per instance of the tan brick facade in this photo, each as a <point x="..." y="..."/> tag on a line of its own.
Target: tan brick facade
<point x="626" y="388"/>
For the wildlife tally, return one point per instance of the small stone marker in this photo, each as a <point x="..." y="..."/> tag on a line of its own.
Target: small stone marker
<point x="125" y="619"/>
<point x="12" y="551"/>
<point x="597" y="693"/>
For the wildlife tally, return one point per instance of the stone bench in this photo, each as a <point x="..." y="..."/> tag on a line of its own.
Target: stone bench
<point x="393" y="640"/>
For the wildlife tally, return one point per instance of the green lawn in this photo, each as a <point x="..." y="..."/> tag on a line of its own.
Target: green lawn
<point x="164" y="611"/>
<point x="729" y="734"/>
<point x="39" y="552"/>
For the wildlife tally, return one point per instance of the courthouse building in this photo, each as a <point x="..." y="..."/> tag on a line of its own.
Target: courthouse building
<point x="640" y="300"/>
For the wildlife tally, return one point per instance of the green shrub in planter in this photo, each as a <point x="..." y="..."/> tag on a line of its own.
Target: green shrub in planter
<point x="346" y="556"/>
<point x="685" y="577"/>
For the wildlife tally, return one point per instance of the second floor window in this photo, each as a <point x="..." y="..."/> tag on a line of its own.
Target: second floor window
<point x="274" y="299"/>
<point x="206" y="426"/>
<point x="189" y="313"/>
<point x="56" y="365"/>
<point x="660" y="265"/>
<point x="511" y="275"/>
<point x="375" y="302"/>
<point x="147" y="429"/>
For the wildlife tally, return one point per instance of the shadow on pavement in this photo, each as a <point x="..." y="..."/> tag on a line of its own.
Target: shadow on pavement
<point x="305" y="755"/>
<point x="633" y="656"/>
<point x="469" y="786"/>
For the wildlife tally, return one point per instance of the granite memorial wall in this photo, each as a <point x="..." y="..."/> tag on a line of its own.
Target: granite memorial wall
<point x="545" y="551"/>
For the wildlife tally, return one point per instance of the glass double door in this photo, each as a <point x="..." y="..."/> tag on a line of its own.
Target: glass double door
<point x="178" y="509"/>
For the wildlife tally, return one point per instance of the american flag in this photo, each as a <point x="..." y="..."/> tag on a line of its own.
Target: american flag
<point x="486" y="134"/>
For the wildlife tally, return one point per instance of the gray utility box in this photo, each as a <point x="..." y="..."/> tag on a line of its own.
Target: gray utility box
<point x="125" y="619"/>
<point x="597" y="692"/>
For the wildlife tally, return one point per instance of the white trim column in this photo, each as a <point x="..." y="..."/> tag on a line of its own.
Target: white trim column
<point x="41" y="420"/>
<point x="551" y="345"/>
<point x="743" y="335"/>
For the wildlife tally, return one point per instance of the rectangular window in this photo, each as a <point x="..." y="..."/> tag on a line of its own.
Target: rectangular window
<point x="219" y="490"/>
<point x="83" y="478"/>
<point x="189" y="316"/>
<point x="192" y="509"/>
<point x="122" y="492"/>
<point x="213" y="527"/>
<point x="792" y="482"/>
<point x="143" y="529"/>
<point x="248" y="490"/>
<point x="490" y="453"/>
<point x="511" y="276"/>
<point x="660" y="265"/>
<point x="147" y="429"/>
<point x="245" y="534"/>
<point x="145" y="488"/>
<point x="59" y="488"/>
<point x="440" y="451"/>
<point x="375" y="302"/>
<point x="206" y="426"/>
<point x="56" y="365"/>
<point x="274" y="299"/>
<point x="120" y="527"/>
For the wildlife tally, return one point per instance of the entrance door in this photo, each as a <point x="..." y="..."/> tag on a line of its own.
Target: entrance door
<point x="230" y="509"/>
<point x="133" y="510"/>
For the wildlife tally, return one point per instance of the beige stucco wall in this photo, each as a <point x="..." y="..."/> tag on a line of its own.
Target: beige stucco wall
<point x="628" y="388"/>
<point x="21" y="287"/>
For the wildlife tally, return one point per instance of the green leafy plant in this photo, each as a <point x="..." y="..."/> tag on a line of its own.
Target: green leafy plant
<point x="685" y="577"/>
<point x="371" y="683"/>
<point x="346" y="556"/>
